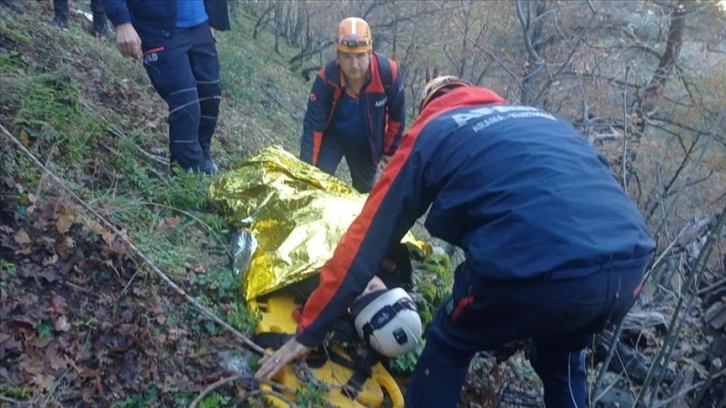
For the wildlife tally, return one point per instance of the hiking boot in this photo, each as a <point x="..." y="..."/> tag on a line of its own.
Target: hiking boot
<point x="209" y="167"/>
<point x="99" y="27"/>
<point x="98" y="30"/>
<point x="60" y="21"/>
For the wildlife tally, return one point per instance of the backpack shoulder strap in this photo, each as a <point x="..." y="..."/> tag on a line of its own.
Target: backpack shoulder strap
<point x="386" y="73"/>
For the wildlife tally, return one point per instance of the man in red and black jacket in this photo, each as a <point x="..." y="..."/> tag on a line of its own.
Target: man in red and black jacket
<point x="356" y="108"/>
<point x="555" y="249"/>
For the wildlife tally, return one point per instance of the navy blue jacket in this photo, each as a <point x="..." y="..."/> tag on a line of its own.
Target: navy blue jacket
<point x="385" y="115"/>
<point x="159" y="16"/>
<point x="520" y="191"/>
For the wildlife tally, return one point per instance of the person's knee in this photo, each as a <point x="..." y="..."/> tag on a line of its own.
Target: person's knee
<point x="362" y="186"/>
<point x="362" y="179"/>
<point x="209" y="89"/>
<point x="184" y="105"/>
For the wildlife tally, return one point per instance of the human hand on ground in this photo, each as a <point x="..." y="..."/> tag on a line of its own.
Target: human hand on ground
<point x="272" y="363"/>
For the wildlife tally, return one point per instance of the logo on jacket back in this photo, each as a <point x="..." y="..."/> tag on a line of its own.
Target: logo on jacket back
<point x="379" y="104"/>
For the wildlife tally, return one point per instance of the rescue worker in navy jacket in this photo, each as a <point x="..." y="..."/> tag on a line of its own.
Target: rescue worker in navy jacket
<point x="555" y="249"/>
<point x="356" y="108"/>
<point x="180" y="56"/>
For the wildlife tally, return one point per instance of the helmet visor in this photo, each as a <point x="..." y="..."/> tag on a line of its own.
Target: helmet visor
<point x="386" y="314"/>
<point x="352" y="43"/>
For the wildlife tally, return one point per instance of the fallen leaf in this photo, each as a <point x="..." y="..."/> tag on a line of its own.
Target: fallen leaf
<point x="65" y="220"/>
<point x="97" y="228"/>
<point x="173" y="222"/>
<point x="29" y="270"/>
<point x="49" y="274"/>
<point x="24" y="251"/>
<point x="198" y="267"/>
<point x="40" y="342"/>
<point x="45" y="241"/>
<point x="59" y="304"/>
<point x="51" y="260"/>
<point x="56" y="358"/>
<point x="66" y="248"/>
<point x="61" y="324"/>
<point x="9" y="345"/>
<point x="25" y="137"/>
<point x="43" y="381"/>
<point x="21" y="237"/>
<point x="32" y="366"/>
<point x="48" y="211"/>
<point x="87" y="394"/>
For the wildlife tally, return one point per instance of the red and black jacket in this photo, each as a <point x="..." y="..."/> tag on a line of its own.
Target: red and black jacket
<point x="520" y="191"/>
<point x="384" y="99"/>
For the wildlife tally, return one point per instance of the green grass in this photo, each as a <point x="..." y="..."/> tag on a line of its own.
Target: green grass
<point x="93" y="119"/>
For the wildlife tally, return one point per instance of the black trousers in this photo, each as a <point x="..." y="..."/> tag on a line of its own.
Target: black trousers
<point x="559" y="316"/>
<point x="184" y="69"/>
<point x="60" y="8"/>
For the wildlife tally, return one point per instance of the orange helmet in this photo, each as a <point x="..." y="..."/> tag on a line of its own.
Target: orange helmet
<point x="353" y="35"/>
<point x="432" y="88"/>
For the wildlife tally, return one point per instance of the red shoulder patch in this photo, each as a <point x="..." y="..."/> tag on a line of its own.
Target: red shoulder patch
<point x="313" y="97"/>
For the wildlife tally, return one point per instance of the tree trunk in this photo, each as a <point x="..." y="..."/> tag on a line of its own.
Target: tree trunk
<point x="667" y="61"/>
<point x="532" y="31"/>
<point x="261" y="21"/>
<point x="278" y="24"/>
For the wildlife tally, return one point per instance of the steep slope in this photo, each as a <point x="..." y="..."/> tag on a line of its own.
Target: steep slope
<point x="84" y="320"/>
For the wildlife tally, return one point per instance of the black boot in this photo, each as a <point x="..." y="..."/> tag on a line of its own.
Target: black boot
<point x="99" y="27"/>
<point x="209" y="167"/>
<point x="60" y="8"/>
<point x="60" y="21"/>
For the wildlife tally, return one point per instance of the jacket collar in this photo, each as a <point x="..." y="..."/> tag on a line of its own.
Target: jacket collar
<point x="456" y="98"/>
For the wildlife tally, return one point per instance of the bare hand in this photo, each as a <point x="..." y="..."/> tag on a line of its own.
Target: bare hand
<point x="128" y="41"/>
<point x="271" y="364"/>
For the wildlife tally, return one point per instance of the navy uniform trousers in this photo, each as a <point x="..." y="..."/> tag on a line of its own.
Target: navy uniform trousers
<point x="184" y="70"/>
<point x="559" y="315"/>
<point x="357" y="156"/>
<point x="61" y="9"/>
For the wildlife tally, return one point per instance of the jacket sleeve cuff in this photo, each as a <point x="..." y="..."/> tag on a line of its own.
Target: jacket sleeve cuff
<point x="121" y="18"/>
<point x="308" y="339"/>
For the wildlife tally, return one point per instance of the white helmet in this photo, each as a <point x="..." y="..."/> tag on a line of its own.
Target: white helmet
<point x="388" y="320"/>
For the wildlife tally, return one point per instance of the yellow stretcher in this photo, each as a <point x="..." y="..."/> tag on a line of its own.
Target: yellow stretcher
<point x="276" y="311"/>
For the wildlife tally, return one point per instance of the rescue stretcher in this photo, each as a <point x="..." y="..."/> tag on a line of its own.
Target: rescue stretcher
<point x="342" y="391"/>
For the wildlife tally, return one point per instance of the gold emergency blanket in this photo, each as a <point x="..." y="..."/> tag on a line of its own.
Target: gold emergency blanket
<point x="292" y="214"/>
